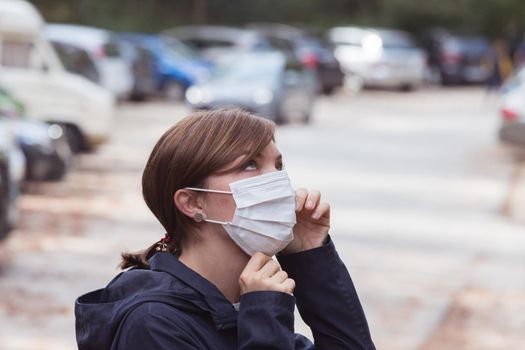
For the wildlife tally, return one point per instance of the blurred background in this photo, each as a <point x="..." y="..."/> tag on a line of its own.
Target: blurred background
<point x="408" y="116"/>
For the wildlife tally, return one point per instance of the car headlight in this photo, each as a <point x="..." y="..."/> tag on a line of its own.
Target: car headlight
<point x="196" y="95"/>
<point x="55" y="131"/>
<point x="262" y="96"/>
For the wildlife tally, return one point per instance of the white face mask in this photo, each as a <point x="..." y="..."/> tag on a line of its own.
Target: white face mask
<point x="265" y="214"/>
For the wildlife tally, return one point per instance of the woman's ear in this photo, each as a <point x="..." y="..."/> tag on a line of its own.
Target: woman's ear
<point x="188" y="202"/>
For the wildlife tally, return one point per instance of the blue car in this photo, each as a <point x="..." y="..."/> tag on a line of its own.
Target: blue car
<point x="177" y="66"/>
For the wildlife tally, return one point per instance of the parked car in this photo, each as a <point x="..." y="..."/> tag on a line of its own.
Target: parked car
<point x="114" y="72"/>
<point x="31" y="70"/>
<point x="311" y="51"/>
<point x="45" y="147"/>
<point x="378" y="57"/>
<point x="512" y="110"/>
<point x="176" y="66"/>
<point x="12" y="165"/>
<point x="78" y="60"/>
<point x="458" y="59"/>
<point x="47" y="153"/>
<point x="212" y="42"/>
<point x="265" y="83"/>
<point x="143" y="68"/>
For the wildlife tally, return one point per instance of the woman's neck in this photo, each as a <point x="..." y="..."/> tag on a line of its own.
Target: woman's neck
<point x="218" y="259"/>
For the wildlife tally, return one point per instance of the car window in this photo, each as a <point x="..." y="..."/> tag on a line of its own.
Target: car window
<point x="246" y="68"/>
<point x="473" y="45"/>
<point x="201" y="44"/>
<point x="77" y="61"/>
<point x="178" y="48"/>
<point x="396" y="40"/>
<point x="112" y="50"/>
<point x="352" y="37"/>
<point x="282" y="45"/>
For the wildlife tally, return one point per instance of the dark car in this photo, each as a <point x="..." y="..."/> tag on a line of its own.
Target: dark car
<point x="176" y="66"/>
<point x="457" y="59"/>
<point x="11" y="174"/>
<point x="311" y="51"/>
<point x="7" y="203"/>
<point x="47" y="152"/>
<point x="44" y="146"/>
<point x="143" y="68"/>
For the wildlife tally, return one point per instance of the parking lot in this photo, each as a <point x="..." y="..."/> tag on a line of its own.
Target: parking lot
<point x="416" y="180"/>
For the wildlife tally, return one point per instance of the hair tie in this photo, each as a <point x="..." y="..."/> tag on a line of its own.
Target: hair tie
<point x="162" y="245"/>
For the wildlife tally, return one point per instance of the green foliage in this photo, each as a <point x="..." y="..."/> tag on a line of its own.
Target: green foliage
<point x="493" y="18"/>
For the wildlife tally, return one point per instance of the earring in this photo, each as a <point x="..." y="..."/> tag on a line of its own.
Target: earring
<point x="198" y="217"/>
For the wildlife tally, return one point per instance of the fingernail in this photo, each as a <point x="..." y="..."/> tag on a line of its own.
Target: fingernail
<point x="316" y="216"/>
<point x="310" y="204"/>
<point x="297" y="205"/>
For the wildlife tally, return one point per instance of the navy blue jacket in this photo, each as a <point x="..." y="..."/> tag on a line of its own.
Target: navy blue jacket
<point x="169" y="306"/>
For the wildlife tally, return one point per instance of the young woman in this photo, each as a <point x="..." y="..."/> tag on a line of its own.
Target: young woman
<point x="216" y="183"/>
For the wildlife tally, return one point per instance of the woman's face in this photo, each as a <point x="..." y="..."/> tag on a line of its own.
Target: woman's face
<point x="222" y="206"/>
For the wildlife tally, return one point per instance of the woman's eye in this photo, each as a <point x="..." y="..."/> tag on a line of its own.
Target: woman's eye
<point x="251" y="165"/>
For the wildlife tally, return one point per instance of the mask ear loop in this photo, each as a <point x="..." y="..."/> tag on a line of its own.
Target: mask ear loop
<point x="199" y="217"/>
<point x="206" y="190"/>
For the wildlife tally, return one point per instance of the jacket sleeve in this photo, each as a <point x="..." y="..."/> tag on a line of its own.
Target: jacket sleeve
<point x="327" y="299"/>
<point x="145" y="329"/>
<point x="266" y="321"/>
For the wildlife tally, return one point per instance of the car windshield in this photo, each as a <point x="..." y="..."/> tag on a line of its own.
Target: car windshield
<point x="178" y="48"/>
<point x="396" y="40"/>
<point x="111" y="49"/>
<point x="249" y="67"/>
<point x="471" y="44"/>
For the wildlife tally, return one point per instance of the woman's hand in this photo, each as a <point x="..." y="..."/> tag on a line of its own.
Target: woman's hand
<point x="264" y="274"/>
<point x="313" y="222"/>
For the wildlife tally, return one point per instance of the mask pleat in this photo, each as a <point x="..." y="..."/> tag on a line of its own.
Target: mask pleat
<point x="274" y="210"/>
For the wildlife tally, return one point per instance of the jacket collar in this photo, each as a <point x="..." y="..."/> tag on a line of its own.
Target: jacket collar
<point x="222" y="311"/>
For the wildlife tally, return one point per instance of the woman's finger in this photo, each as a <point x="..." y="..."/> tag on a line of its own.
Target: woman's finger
<point x="279" y="277"/>
<point x="313" y="199"/>
<point x="300" y="198"/>
<point x="269" y="269"/>
<point x="257" y="261"/>
<point x="322" y="209"/>
<point x="288" y="286"/>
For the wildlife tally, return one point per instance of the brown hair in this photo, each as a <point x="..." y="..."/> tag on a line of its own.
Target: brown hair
<point x="191" y="150"/>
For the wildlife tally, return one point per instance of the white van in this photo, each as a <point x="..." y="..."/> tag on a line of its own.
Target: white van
<point x="114" y="72"/>
<point x="378" y="57"/>
<point x="31" y="70"/>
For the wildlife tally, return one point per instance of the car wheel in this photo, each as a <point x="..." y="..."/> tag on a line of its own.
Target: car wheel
<point x="328" y="89"/>
<point x="75" y="139"/>
<point x="407" y="87"/>
<point x="174" y="91"/>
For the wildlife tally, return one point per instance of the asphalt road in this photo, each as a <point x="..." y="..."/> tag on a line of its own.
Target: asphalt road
<point x="416" y="181"/>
